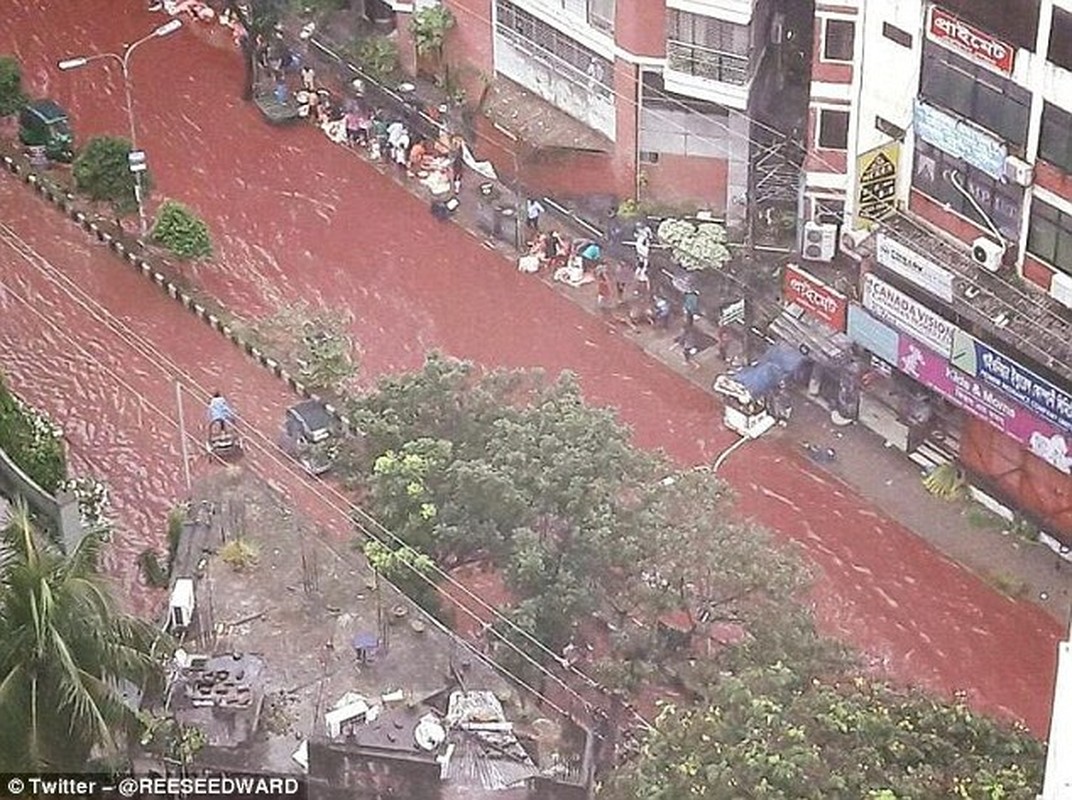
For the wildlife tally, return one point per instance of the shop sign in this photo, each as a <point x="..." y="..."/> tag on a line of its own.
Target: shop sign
<point x="1019" y="383"/>
<point x="1039" y="436"/>
<point x="814" y="296"/>
<point x="734" y="312"/>
<point x="874" y="336"/>
<point x="876" y="193"/>
<point x="902" y="312"/>
<point x="977" y="45"/>
<point x="960" y="139"/>
<point x="914" y="267"/>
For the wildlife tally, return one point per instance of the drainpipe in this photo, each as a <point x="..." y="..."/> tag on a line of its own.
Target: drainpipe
<point x="639" y="117"/>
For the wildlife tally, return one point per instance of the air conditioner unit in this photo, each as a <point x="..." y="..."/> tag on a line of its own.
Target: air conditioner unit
<point x="987" y="254"/>
<point x="1018" y="171"/>
<point x="1061" y="288"/>
<point x="820" y="241"/>
<point x="181" y="605"/>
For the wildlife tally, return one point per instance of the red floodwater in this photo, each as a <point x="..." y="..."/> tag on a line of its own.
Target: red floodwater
<point x="297" y="218"/>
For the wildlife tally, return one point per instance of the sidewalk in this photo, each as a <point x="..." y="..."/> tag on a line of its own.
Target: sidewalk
<point x="963" y="531"/>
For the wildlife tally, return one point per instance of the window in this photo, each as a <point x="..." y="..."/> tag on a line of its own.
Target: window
<point x="833" y="129"/>
<point x="649" y="157"/>
<point x="1055" y="144"/>
<point x="895" y="34"/>
<point x="974" y="92"/>
<point x="937" y="175"/>
<point x="707" y="47"/>
<point x="575" y="61"/>
<point x="1060" y="52"/>
<point x="601" y="14"/>
<point x="838" y="38"/>
<point x="1049" y="235"/>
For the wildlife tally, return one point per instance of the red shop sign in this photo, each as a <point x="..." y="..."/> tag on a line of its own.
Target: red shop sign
<point x="815" y="297"/>
<point x="971" y="41"/>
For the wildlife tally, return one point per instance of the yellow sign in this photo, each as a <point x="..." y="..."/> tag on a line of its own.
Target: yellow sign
<point x="876" y="195"/>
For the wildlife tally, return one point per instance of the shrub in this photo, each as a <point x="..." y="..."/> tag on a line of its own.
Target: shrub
<point x="181" y="231"/>
<point x="377" y="56"/>
<point x="695" y="247"/>
<point x="430" y="27"/>
<point x="11" y="96"/>
<point x="32" y="441"/>
<point x="102" y="172"/>
<point x="239" y="554"/>
<point x="154" y="574"/>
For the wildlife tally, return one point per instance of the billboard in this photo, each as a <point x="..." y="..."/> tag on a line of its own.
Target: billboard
<point x="1039" y="436"/>
<point x="814" y="296"/>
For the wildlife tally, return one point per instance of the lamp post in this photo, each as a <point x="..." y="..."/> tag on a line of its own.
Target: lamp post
<point x="136" y="166"/>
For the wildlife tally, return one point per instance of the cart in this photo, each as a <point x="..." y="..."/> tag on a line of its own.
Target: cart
<point x="310" y="435"/>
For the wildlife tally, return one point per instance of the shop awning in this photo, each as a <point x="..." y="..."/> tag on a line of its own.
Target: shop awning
<point x="536" y="122"/>
<point x="811" y="336"/>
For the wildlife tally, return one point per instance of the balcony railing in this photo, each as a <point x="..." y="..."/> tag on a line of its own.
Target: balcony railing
<point x="704" y="62"/>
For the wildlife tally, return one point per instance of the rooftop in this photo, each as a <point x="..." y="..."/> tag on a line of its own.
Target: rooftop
<point x="306" y="646"/>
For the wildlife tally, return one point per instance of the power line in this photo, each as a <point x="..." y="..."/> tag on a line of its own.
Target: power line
<point x="814" y="157"/>
<point x="268" y="448"/>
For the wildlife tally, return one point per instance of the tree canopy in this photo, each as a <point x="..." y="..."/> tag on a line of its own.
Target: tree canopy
<point x="102" y="172"/>
<point x="601" y="543"/>
<point x="12" y="98"/>
<point x="780" y="733"/>
<point x="65" y="651"/>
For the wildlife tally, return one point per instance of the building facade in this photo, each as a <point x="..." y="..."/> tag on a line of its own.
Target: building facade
<point x="630" y="98"/>
<point x="940" y="151"/>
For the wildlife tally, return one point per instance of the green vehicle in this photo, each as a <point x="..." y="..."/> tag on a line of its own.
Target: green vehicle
<point x="43" y="123"/>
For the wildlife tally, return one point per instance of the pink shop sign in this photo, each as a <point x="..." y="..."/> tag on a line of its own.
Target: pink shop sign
<point x="1040" y="437"/>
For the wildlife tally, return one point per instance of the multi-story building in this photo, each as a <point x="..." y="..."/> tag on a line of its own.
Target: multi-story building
<point x="626" y="98"/>
<point x="940" y="145"/>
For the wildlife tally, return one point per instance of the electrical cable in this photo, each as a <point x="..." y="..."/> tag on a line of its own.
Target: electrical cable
<point x="815" y="157"/>
<point x="270" y="449"/>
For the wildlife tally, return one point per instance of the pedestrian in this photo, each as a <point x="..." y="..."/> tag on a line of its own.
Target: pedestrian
<point x="602" y="287"/>
<point x="723" y="339"/>
<point x="691" y="307"/>
<point x="457" y="165"/>
<point x="533" y="210"/>
<point x="308" y="79"/>
<point x="353" y="127"/>
<point x="401" y="150"/>
<point x="590" y="255"/>
<point x="642" y="245"/>
<point x="416" y="157"/>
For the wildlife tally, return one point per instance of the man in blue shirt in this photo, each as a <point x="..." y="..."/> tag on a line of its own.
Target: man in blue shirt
<point x="220" y="414"/>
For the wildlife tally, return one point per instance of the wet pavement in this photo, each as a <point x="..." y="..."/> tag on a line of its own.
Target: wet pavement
<point x="296" y="217"/>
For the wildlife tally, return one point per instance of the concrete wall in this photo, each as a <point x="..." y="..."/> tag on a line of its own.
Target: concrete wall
<point x="61" y="511"/>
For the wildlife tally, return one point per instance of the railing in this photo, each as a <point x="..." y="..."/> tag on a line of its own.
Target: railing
<point x="704" y="62"/>
<point x="60" y="512"/>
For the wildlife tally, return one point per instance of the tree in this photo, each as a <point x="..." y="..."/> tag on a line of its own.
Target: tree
<point x="181" y="231"/>
<point x="782" y="732"/>
<point x="430" y="27"/>
<point x="11" y="96"/>
<point x="64" y="651"/>
<point x="32" y="441"/>
<point x="102" y="172"/>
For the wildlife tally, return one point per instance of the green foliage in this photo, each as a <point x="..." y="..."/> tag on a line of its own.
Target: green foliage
<point x="181" y="231"/>
<point x="376" y="56"/>
<point x="695" y="247"/>
<point x="33" y="442"/>
<point x="781" y="732"/>
<point x="510" y="469"/>
<point x="151" y="570"/>
<point x="240" y="554"/>
<point x="408" y="569"/>
<point x="65" y="648"/>
<point x="430" y="27"/>
<point x="12" y="98"/>
<point x="102" y="172"/>
<point x="945" y="481"/>
<point x="315" y="340"/>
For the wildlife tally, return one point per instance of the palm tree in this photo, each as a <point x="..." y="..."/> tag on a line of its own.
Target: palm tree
<point x="64" y="649"/>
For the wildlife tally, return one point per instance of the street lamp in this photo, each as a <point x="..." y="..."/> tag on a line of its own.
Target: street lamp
<point x="136" y="166"/>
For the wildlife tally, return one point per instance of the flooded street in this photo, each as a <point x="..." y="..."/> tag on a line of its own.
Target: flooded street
<point x="296" y="218"/>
